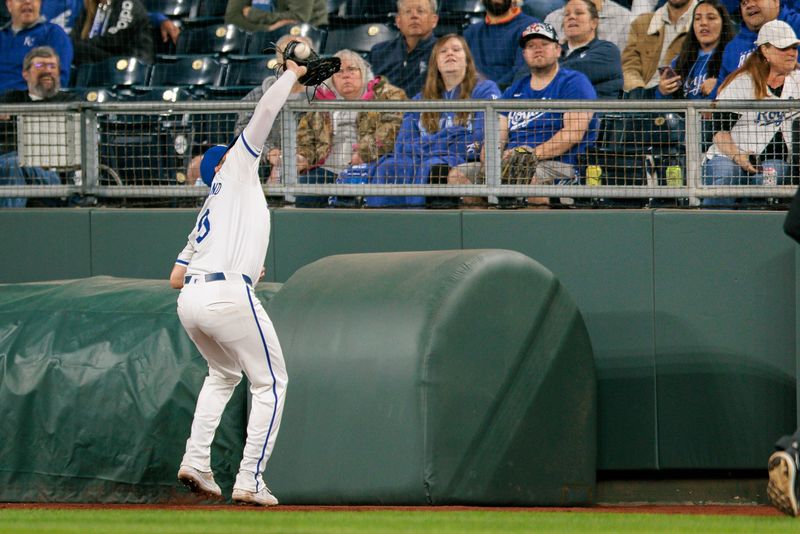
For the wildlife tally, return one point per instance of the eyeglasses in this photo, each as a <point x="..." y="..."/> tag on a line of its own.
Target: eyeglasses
<point x="42" y="65"/>
<point x="349" y="70"/>
<point x="418" y="11"/>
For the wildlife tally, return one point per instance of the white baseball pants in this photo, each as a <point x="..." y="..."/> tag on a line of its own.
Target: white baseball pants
<point x="230" y="328"/>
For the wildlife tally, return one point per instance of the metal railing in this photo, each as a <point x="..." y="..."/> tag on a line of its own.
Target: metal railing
<point x="115" y="138"/>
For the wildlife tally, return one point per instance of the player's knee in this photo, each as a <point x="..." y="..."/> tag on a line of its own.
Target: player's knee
<point x="224" y="380"/>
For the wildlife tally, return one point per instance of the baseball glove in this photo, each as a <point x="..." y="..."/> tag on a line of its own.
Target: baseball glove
<point x="318" y="69"/>
<point x="519" y="167"/>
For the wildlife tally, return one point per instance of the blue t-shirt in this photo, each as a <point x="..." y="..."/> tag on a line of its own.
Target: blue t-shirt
<point x="697" y="75"/>
<point x="532" y="128"/>
<point x="453" y="143"/>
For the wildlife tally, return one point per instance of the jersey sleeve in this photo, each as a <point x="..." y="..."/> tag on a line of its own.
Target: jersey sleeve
<point x="185" y="256"/>
<point x="268" y="107"/>
<point x="578" y="87"/>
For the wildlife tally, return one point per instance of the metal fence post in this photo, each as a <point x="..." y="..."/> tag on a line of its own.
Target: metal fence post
<point x="90" y="153"/>
<point x="492" y="148"/>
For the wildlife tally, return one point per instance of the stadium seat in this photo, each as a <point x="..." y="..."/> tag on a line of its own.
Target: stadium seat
<point x="170" y="8"/>
<point x="214" y="39"/>
<point x="204" y="9"/>
<point x="258" y="41"/>
<point x="113" y="72"/>
<point x="360" y="38"/>
<point x="148" y="149"/>
<point x="248" y="71"/>
<point x="187" y="71"/>
<point x="93" y="94"/>
<point x="460" y="9"/>
<point x="368" y="10"/>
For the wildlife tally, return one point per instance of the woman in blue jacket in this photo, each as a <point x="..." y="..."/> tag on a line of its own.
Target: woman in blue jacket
<point x="432" y="143"/>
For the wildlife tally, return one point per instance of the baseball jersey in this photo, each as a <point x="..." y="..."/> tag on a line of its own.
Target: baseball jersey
<point x="754" y="130"/>
<point x="532" y="128"/>
<point x="231" y="233"/>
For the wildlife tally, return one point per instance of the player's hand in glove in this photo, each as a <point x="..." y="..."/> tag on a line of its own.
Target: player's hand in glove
<point x="300" y="70"/>
<point x="317" y="69"/>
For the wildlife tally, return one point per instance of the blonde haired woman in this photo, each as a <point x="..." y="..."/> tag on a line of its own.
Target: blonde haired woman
<point x="431" y="144"/>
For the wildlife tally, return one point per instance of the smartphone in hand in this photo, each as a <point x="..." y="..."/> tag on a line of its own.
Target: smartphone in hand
<point x="666" y="72"/>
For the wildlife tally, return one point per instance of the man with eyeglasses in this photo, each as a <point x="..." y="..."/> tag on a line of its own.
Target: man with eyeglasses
<point x="28" y="30"/>
<point x="755" y="13"/>
<point x="404" y="60"/>
<point x="41" y="72"/>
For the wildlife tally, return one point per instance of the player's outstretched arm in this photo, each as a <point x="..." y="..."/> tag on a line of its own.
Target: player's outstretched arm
<point x="270" y="105"/>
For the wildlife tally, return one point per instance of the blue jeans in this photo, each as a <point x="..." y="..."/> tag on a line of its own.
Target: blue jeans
<point x="721" y="171"/>
<point x="12" y="174"/>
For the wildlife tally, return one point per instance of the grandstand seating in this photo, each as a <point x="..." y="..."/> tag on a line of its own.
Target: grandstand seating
<point x="187" y="71"/>
<point x="207" y="9"/>
<point x="214" y="39"/>
<point x="248" y="71"/>
<point x="360" y="38"/>
<point x="170" y="8"/>
<point x="113" y="72"/>
<point x="359" y="11"/>
<point x="258" y="41"/>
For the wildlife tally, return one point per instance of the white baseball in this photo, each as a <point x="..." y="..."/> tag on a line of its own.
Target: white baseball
<point x="301" y="51"/>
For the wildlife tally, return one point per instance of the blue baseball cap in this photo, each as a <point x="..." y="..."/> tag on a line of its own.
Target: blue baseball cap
<point x="210" y="161"/>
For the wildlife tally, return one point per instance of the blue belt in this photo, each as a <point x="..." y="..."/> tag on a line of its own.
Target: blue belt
<point x="214" y="277"/>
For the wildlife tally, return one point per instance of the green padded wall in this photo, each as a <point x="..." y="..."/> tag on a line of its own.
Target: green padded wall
<point x="622" y="268"/>
<point x="303" y="236"/>
<point x="605" y="260"/>
<point x="98" y="383"/>
<point x="433" y="377"/>
<point x="725" y="342"/>
<point x="42" y="244"/>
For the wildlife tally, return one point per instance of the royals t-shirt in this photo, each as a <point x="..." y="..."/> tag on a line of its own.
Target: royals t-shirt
<point x="532" y="128"/>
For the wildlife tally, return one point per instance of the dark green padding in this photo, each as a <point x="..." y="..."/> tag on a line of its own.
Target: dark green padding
<point x="434" y="377"/>
<point x="98" y="383"/>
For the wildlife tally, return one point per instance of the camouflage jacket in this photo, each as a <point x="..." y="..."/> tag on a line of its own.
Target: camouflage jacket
<point x="377" y="130"/>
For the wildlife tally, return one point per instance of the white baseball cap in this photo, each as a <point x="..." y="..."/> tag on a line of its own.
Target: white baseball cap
<point x="778" y="34"/>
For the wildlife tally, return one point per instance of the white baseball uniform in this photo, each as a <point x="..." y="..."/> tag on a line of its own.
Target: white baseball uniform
<point x="219" y="309"/>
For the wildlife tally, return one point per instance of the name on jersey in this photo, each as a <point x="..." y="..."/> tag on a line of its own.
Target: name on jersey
<point x="523" y="119"/>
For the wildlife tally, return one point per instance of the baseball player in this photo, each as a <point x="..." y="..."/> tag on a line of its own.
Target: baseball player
<point x="218" y="308"/>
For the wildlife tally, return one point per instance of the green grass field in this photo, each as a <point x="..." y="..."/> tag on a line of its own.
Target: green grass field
<point x="261" y="521"/>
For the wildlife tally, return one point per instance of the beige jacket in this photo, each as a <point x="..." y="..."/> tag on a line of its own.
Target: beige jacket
<point x="645" y="41"/>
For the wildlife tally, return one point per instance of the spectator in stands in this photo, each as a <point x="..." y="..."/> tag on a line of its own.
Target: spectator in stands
<point x="431" y="144"/>
<point x="65" y="14"/>
<point x="111" y="29"/>
<point x="272" y="146"/>
<point x="697" y="66"/>
<point x="403" y="60"/>
<point x="614" y="22"/>
<point x="582" y="51"/>
<point x="266" y="16"/>
<point x="755" y="13"/>
<point x="655" y="39"/>
<point x="493" y="41"/>
<point x="554" y="138"/>
<point x="754" y="147"/>
<point x="330" y="143"/>
<point x="41" y="72"/>
<point x="540" y="9"/>
<point x="28" y="30"/>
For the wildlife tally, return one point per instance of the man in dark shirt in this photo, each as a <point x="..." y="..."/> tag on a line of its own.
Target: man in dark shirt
<point x="41" y="71"/>
<point x="404" y="60"/>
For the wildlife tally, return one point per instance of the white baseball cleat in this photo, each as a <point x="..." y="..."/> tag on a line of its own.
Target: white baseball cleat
<point x="201" y="482"/>
<point x="781" y="487"/>
<point x="260" y="498"/>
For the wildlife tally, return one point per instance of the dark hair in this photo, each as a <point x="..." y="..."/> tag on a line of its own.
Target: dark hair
<point x="691" y="46"/>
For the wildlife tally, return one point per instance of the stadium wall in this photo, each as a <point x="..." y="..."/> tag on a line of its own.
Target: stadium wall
<point x="691" y="314"/>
